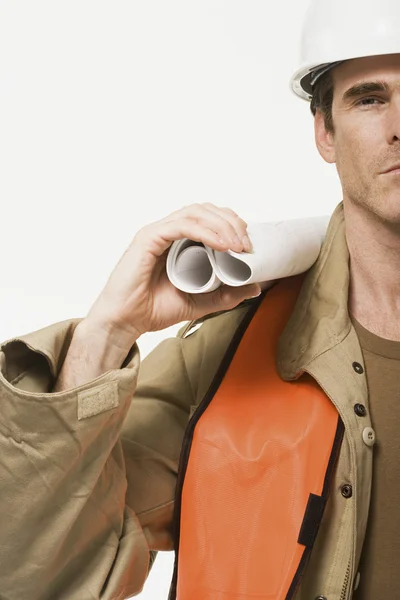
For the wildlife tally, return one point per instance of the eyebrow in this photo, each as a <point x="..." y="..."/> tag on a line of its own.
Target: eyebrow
<point x="365" y="87"/>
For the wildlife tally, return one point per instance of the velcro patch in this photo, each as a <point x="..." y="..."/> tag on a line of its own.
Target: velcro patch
<point x="97" y="400"/>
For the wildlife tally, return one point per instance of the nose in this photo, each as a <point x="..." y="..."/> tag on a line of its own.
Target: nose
<point x="393" y="120"/>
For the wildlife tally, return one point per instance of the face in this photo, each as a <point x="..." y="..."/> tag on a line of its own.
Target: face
<point x="365" y="143"/>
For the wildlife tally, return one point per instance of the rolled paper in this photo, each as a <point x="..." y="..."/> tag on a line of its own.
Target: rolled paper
<point x="280" y="249"/>
<point x="189" y="268"/>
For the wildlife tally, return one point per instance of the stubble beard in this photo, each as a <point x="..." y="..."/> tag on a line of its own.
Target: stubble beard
<point x="375" y="200"/>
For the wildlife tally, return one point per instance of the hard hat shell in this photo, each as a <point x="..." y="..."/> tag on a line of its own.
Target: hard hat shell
<point x="338" y="30"/>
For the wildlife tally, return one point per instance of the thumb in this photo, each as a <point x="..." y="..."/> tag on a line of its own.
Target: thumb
<point x="224" y="298"/>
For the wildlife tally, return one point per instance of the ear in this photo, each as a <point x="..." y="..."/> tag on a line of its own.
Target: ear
<point x="324" y="139"/>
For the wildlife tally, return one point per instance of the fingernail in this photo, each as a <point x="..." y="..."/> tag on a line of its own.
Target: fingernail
<point x="255" y="295"/>
<point x="252" y="297"/>
<point x="247" y="243"/>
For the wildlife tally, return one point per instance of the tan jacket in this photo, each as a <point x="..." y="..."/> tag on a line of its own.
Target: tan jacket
<point x="87" y="476"/>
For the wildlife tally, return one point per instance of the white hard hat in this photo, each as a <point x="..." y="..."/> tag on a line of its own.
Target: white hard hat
<point x="338" y="30"/>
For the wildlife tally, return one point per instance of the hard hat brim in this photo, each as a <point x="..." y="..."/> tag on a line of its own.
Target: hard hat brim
<point x="300" y="83"/>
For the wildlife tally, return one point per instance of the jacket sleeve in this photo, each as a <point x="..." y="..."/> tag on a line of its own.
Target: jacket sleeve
<point x="87" y="476"/>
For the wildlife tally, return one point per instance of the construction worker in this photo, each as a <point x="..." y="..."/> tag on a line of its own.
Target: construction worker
<point x="261" y="443"/>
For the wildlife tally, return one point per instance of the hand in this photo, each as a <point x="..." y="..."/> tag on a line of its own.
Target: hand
<point x="139" y="297"/>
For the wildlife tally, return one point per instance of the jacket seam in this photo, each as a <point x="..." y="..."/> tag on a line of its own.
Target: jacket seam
<point x="155" y="508"/>
<point x="19" y="377"/>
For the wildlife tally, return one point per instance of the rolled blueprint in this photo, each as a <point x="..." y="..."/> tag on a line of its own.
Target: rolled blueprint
<point x="280" y="249"/>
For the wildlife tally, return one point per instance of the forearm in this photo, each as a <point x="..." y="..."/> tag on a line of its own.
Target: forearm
<point x="94" y="350"/>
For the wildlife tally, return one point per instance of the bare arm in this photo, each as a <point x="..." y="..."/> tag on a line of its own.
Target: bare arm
<point x="94" y="350"/>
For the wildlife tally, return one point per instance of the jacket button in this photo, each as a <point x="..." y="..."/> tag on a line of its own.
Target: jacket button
<point x="347" y="490"/>
<point x="360" y="410"/>
<point x="320" y="598"/>
<point x="358" y="368"/>
<point x="368" y="436"/>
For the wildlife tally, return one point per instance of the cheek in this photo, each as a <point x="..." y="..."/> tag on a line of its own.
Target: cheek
<point x="347" y="152"/>
<point x="355" y="148"/>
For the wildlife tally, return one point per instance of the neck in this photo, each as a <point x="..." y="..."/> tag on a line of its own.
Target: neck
<point x="374" y="295"/>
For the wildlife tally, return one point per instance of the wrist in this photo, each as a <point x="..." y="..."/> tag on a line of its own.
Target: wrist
<point x="108" y="343"/>
<point x="93" y="351"/>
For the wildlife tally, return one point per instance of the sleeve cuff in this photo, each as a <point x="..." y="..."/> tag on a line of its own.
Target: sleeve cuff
<point x="33" y="361"/>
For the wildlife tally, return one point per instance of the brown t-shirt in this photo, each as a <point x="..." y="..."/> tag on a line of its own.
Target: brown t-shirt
<point x="379" y="564"/>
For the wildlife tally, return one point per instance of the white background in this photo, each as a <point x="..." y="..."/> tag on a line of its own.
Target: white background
<point x="113" y="114"/>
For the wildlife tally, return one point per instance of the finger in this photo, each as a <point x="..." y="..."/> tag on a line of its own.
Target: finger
<point x="216" y="220"/>
<point x="237" y="223"/>
<point x="224" y="298"/>
<point x="157" y="238"/>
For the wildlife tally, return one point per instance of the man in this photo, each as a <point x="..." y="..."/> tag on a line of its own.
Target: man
<point x="88" y="472"/>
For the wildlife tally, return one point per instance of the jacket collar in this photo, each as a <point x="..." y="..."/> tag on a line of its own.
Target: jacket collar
<point x="320" y="319"/>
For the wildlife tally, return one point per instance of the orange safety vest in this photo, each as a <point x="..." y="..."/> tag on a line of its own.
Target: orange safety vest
<point x="256" y="464"/>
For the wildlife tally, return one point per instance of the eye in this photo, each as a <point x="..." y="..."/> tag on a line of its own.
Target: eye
<point x="368" y="101"/>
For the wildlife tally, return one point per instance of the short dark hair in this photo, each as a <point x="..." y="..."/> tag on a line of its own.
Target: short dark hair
<point x="322" y="99"/>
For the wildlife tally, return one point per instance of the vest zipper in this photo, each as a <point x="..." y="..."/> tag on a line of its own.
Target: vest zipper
<point x="343" y="594"/>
